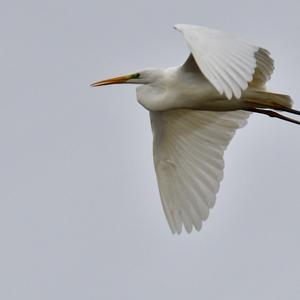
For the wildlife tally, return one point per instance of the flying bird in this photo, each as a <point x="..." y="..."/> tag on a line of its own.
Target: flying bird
<point x="195" y="109"/>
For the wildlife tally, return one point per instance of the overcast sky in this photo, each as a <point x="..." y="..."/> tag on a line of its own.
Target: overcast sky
<point x="80" y="214"/>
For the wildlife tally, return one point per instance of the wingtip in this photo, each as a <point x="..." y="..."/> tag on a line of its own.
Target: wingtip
<point x="183" y="26"/>
<point x="176" y="26"/>
<point x="179" y="27"/>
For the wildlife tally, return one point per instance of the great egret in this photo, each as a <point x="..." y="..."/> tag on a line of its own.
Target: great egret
<point x="195" y="110"/>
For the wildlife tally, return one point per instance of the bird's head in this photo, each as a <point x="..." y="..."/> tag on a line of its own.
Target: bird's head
<point x="143" y="77"/>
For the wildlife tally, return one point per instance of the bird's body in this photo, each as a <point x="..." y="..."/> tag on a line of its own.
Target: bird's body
<point x="195" y="109"/>
<point x="176" y="89"/>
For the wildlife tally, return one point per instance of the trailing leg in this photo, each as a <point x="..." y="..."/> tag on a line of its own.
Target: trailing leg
<point x="274" y="114"/>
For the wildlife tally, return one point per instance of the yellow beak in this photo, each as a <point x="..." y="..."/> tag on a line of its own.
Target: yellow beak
<point x="121" y="79"/>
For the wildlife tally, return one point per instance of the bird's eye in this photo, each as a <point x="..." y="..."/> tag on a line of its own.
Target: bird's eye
<point x="136" y="75"/>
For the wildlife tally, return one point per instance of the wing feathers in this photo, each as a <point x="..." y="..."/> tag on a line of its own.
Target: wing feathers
<point x="188" y="152"/>
<point x="230" y="64"/>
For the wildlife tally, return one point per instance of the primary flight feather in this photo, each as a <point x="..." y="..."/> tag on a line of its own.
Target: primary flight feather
<point x="195" y="110"/>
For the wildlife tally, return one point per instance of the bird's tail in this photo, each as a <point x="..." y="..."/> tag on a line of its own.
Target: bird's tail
<point x="266" y="102"/>
<point x="265" y="99"/>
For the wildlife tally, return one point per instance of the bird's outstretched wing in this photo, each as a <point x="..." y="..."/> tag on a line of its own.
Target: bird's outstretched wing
<point x="230" y="64"/>
<point x="188" y="150"/>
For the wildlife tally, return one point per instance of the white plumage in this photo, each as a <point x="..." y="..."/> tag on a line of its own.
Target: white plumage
<point x="228" y="63"/>
<point x="188" y="150"/>
<point x="195" y="110"/>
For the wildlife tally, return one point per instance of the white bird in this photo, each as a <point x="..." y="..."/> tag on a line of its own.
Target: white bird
<point x="195" y="110"/>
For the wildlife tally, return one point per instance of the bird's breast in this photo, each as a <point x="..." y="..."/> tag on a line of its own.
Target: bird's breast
<point x="152" y="97"/>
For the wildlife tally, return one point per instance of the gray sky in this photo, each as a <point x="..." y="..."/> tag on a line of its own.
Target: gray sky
<point x="80" y="214"/>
